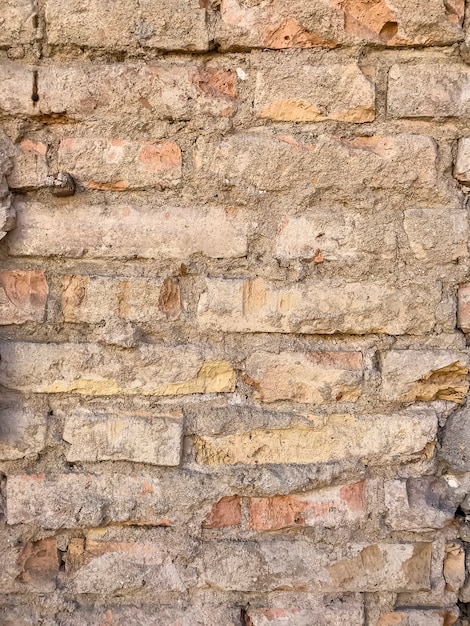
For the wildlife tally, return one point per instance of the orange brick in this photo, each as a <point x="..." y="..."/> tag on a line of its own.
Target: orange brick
<point x="23" y="296"/>
<point x="225" y="512"/>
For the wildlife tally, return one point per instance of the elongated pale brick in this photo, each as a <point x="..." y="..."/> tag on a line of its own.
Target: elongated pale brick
<point x="93" y="299"/>
<point x="148" y="90"/>
<point x="155" y="370"/>
<point x="330" y="507"/>
<point x="353" y="169"/>
<point x="276" y="565"/>
<point x="311" y="377"/>
<point x="424" y="375"/>
<point x="79" y="499"/>
<point x="429" y="90"/>
<point x="373" y="439"/>
<point x="109" y="567"/>
<point x="151" y="438"/>
<point x="118" y="164"/>
<point x="322" y="307"/>
<point x="126" y="231"/>
<point x="162" y="24"/>
<point x="336" y="235"/>
<point x="312" y="93"/>
<point x="23" y="296"/>
<point x="327" y="612"/>
<point x="326" y="23"/>
<point x="17" y="22"/>
<point x="23" y="426"/>
<point x="416" y="617"/>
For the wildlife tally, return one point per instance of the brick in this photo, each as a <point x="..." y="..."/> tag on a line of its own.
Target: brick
<point x="79" y="499"/>
<point x="437" y="236"/>
<point x="16" y="87"/>
<point x="428" y="90"/>
<point x="155" y="370"/>
<point x="424" y="375"/>
<point x="30" y="167"/>
<point x="226" y="512"/>
<point x="153" y="438"/>
<point x="143" y="615"/>
<point x="419" y="504"/>
<point x="311" y="377"/>
<point x="141" y="90"/>
<point x="119" y="164"/>
<point x="327" y="23"/>
<point x="330" y="508"/>
<point x="302" y="565"/>
<point x="462" y="162"/>
<point x="17" y="22"/>
<point x="93" y="299"/>
<point x="111" y="567"/>
<point x="127" y="231"/>
<point x="39" y="564"/>
<point x="454" y="566"/>
<point x="336" y="235"/>
<point x="166" y="25"/>
<point x="418" y="617"/>
<point x="321" y="306"/>
<point x="373" y="440"/>
<point x="356" y="169"/>
<point x="322" y="611"/>
<point x="288" y="92"/>
<point x="23" y="426"/>
<point x="23" y="296"/>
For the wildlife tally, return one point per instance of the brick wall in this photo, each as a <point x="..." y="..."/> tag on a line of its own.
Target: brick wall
<point x="234" y="368"/>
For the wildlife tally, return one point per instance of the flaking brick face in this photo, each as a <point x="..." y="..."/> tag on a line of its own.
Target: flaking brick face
<point x="234" y="312"/>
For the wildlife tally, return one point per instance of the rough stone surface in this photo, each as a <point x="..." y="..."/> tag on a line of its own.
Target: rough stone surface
<point x="374" y="440"/>
<point x="23" y="426"/>
<point x="23" y="296"/>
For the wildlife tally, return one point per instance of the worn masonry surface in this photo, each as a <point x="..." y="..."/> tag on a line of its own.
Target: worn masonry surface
<point x="234" y="309"/>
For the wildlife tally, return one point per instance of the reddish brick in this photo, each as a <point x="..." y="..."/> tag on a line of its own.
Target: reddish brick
<point x="225" y="512"/>
<point x="23" y="296"/>
<point x="118" y="164"/>
<point x="39" y="564"/>
<point x="329" y="507"/>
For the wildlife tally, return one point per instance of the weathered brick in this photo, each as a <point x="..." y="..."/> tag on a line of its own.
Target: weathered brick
<point x="144" y="615"/>
<point x="428" y="90"/>
<point x="312" y="377"/>
<point x="326" y="23"/>
<point x="119" y="164"/>
<point x="39" y="564"/>
<point x="321" y="306"/>
<point x="23" y="296"/>
<point x="416" y="617"/>
<point x="166" y="25"/>
<point x="23" y="426"/>
<point x="462" y="162"/>
<point x="330" y="508"/>
<point x="78" y="499"/>
<point x="309" y="93"/>
<point x="276" y="565"/>
<point x="30" y="166"/>
<point x="424" y="375"/>
<point x="155" y="370"/>
<point x="437" y="236"/>
<point x="356" y="169"/>
<point x="111" y="567"/>
<point x="152" y="438"/>
<point x="147" y="90"/>
<point x="17" y="22"/>
<point x="373" y="440"/>
<point x="454" y="566"/>
<point x="226" y="512"/>
<point x="16" y="87"/>
<point x="93" y="299"/>
<point x="336" y="235"/>
<point x="455" y="448"/>
<point x="127" y="231"/>
<point x="326" y="612"/>
<point x="419" y="503"/>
